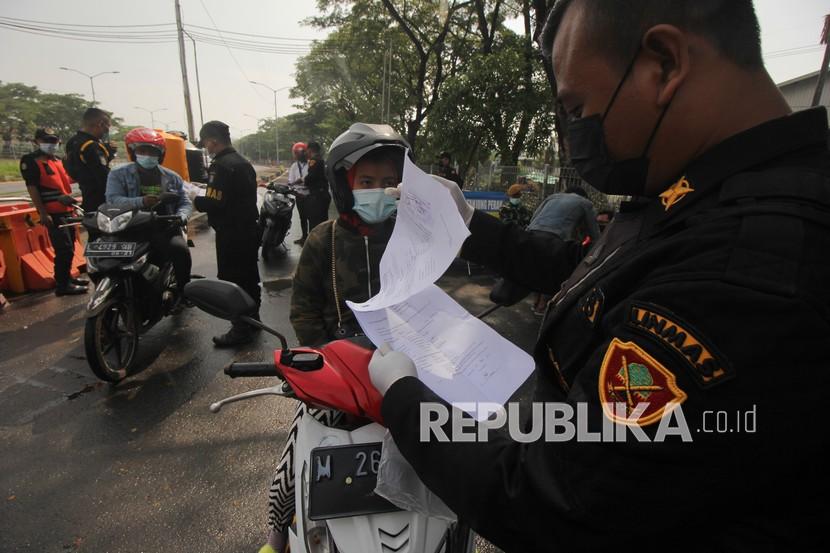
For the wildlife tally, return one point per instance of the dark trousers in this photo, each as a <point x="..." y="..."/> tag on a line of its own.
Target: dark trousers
<point x="173" y="246"/>
<point x="302" y="202"/>
<point x="236" y="259"/>
<point x="63" y="242"/>
<point x="317" y="208"/>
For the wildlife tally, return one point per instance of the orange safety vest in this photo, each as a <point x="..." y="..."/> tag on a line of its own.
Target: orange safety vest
<point x="54" y="182"/>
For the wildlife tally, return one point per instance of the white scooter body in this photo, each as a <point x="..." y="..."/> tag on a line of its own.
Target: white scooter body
<point x="400" y="531"/>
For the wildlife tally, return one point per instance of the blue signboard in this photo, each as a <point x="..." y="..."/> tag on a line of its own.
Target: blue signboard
<point x="486" y="201"/>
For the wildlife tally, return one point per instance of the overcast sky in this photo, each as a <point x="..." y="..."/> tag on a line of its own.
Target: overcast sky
<point x="150" y="75"/>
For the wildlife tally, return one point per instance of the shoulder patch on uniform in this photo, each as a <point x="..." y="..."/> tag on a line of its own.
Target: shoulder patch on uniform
<point x="23" y="166"/>
<point x="705" y="363"/>
<point x="591" y="305"/>
<point x="634" y="388"/>
<point x="312" y="162"/>
<point x="676" y="192"/>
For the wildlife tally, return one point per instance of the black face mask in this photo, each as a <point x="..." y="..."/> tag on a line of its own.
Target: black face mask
<point x="590" y="157"/>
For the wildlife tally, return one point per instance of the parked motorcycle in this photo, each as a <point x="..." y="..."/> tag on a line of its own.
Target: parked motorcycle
<point x="131" y="293"/>
<point x="275" y="218"/>
<point x="336" y="468"/>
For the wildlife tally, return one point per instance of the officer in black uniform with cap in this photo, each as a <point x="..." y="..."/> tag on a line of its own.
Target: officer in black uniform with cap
<point x="88" y="157"/>
<point x="230" y="202"/>
<point x="703" y="310"/>
<point x="51" y="192"/>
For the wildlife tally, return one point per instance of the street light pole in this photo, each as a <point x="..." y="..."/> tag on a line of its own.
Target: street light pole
<point x="198" y="85"/>
<point x="276" y="126"/>
<point x="151" y="112"/>
<point x="258" y="151"/>
<point x="90" y="77"/>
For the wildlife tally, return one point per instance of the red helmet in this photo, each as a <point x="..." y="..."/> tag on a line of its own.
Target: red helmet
<point x="298" y="146"/>
<point x="143" y="136"/>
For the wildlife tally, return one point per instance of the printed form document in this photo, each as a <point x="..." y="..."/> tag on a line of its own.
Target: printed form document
<point x="458" y="356"/>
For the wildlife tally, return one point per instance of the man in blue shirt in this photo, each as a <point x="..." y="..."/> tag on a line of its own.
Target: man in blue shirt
<point x="141" y="183"/>
<point x="570" y="215"/>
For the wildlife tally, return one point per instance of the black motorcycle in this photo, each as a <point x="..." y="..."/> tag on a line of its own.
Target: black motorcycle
<point x="275" y="218"/>
<point x="132" y="293"/>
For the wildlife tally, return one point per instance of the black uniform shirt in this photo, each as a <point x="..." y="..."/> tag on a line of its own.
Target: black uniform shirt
<point x="87" y="161"/>
<point x="230" y="198"/>
<point x="713" y="297"/>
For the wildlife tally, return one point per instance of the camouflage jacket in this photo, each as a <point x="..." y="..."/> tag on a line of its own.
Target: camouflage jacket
<point x="314" y="313"/>
<point x="518" y="214"/>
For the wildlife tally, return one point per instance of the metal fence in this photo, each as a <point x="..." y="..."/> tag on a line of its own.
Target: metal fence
<point x="541" y="181"/>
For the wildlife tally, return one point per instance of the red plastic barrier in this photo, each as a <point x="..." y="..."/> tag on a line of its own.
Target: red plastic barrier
<point x="25" y="247"/>
<point x="2" y="271"/>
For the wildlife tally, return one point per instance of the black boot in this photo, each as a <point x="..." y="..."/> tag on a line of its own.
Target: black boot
<point x="70" y="290"/>
<point x="79" y="281"/>
<point x="238" y="335"/>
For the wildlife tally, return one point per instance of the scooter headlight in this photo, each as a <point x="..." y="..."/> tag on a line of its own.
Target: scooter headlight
<point x="317" y="537"/>
<point x="118" y="223"/>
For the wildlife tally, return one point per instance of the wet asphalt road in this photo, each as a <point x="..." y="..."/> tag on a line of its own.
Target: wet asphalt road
<point x="143" y="466"/>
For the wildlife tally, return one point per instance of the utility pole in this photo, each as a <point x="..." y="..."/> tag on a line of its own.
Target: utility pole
<point x="822" y="74"/>
<point x="189" y="112"/>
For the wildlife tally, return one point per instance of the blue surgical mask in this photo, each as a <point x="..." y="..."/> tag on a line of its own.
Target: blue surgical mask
<point x="515" y="201"/>
<point x="374" y="205"/>
<point x="48" y="148"/>
<point x="147" y="162"/>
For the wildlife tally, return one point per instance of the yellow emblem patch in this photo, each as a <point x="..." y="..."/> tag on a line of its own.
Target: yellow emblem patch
<point x="312" y="162"/>
<point x="676" y="192"/>
<point x="634" y="388"/>
<point x="705" y="363"/>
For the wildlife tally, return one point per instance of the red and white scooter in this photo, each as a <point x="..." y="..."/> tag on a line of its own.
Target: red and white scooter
<point x="336" y="468"/>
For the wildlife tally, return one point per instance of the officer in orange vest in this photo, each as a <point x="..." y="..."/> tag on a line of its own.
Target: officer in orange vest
<point x="50" y="190"/>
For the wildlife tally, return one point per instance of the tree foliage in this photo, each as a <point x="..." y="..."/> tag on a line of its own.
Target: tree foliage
<point x="461" y="80"/>
<point x="25" y="108"/>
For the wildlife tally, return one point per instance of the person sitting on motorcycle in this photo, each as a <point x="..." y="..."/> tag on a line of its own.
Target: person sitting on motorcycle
<point x="140" y="184"/>
<point x="340" y="261"/>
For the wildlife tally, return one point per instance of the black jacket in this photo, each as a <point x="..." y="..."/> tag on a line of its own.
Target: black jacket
<point x="88" y="162"/>
<point x="315" y="180"/>
<point x="715" y="297"/>
<point x="231" y="196"/>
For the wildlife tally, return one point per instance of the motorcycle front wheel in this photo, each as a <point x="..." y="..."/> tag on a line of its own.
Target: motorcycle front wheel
<point x="111" y="342"/>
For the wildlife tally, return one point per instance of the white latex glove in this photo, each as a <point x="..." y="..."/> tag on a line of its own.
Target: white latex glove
<point x="465" y="209"/>
<point x="387" y="367"/>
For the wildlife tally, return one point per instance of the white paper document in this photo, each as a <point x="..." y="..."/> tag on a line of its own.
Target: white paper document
<point x="457" y="355"/>
<point x="428" y="235"/>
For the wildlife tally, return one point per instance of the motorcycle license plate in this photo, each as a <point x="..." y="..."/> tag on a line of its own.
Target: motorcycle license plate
<point x="342" y="482"/>
<point x="110" y="249"/>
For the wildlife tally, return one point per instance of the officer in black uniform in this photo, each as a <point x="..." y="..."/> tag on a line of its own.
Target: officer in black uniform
<point x="446" y="170"/>
<point x="318" y="200"/>
<point x="230" y="202"/>
<point x="88" y="157"/>
<point x="51" y="192"/>
<point x="705" y="300"/>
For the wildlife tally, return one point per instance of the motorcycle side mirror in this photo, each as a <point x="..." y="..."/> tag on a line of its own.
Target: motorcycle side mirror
<point x="228" y="301"/>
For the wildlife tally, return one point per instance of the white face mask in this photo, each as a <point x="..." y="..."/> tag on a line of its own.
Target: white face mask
<point x="47" y="148"/>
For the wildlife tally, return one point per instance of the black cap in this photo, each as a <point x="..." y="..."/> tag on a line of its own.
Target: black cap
<point x="213" y="129"/>
<point x="47" y="132"/>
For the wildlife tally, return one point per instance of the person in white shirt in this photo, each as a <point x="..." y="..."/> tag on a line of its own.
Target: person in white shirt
<point x="296" y="176"/>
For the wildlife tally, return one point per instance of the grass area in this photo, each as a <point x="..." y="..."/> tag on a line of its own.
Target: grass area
<point x="9" y="170"/>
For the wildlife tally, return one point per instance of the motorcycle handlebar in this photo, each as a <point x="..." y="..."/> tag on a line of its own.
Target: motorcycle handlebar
<point x="235" y="370"/>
